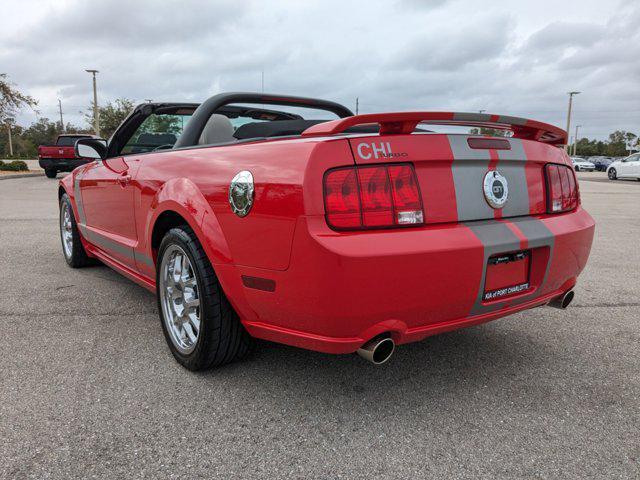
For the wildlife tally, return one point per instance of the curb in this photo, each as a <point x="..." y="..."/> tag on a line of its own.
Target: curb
<point x="24" y="175"/>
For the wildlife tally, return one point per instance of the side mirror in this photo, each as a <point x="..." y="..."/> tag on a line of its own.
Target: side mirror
<point x="93" y="148"/>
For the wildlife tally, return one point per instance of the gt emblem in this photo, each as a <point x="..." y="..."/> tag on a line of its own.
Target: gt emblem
<point x="241" y="193"/>
<point x="496" y="189"/>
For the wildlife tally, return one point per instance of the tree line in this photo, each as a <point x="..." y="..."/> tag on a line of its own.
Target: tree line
<point x="24" y="141"/>
<point x="619" y="143"/>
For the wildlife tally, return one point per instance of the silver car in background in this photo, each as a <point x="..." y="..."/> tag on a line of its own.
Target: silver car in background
<point x="628" y="167"/>
<point x="582" y="165"/>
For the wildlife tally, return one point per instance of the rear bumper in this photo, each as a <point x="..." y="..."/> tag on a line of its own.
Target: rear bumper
<point x="343" y="289"/>
<point x="61" y="164"/>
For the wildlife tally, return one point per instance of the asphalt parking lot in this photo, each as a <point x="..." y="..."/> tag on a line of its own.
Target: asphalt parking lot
<point x="89" y="389"/>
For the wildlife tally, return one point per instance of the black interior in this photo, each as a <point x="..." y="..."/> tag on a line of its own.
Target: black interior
<point x="285" y="128"/>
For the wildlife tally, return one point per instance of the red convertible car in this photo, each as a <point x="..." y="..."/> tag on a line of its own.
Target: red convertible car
<point x="356" y="233"/>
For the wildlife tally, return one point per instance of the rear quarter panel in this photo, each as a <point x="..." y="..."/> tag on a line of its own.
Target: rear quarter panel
<point x="264" y="237"/>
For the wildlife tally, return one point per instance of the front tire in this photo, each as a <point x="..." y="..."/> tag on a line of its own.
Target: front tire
<point x="72" y="249"/>
<point x="612" y="174"/>
<point x="199" y="324"/>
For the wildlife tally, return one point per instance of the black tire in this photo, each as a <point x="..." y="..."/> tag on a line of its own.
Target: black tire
<point x="577" y="168"/>
<point x="221" y="338"/>
<point x="612" y="174"/>
<point x="78" y="257"/>
<point x="51" y="172"/>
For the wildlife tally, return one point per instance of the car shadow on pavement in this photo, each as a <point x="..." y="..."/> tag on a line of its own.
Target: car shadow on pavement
<point x="470" y="362"/>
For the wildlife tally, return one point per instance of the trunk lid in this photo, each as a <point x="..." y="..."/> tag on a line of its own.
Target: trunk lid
<point x="451" y="170"/>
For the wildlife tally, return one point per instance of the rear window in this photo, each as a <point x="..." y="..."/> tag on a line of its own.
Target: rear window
<point x="69" y="141"/>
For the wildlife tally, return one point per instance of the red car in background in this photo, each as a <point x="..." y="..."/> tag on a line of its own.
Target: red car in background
<point x="353" y="234"/>
<point x="61" y="156"/>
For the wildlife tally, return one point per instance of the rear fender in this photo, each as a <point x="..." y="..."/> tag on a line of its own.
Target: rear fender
<point x="183" y="197"/>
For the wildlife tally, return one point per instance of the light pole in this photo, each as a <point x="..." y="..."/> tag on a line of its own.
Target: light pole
<point x="61" y="119"/>
<point x="96" y="113"/>
<point x="9" y="135"/>
<point x="575" y="141"/>
<point x="571" y="94"/>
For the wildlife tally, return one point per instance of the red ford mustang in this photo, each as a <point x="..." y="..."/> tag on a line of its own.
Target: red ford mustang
<point x="353" y="234"/>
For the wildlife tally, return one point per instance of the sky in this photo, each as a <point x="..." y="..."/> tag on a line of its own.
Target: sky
<point x="506" y="57"/>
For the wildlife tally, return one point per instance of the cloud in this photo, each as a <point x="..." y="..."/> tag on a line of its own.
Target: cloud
<point x="560" y="35"/>
<point x="504" y="57"/>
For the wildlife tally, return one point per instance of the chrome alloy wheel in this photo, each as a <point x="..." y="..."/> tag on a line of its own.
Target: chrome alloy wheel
<point x="66" y="229"/>
<point x="180" y="299"/>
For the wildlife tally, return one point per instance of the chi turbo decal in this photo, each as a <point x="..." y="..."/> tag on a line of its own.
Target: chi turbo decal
<point x="367" y="151"/>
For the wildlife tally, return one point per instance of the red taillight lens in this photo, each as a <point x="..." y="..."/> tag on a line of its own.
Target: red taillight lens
<point x="372" y="197"/>
<point x="406" y="195"/>
<point x="562" y="194"/>
<point x="375" y="195"/>
<point x="341" y="198"/>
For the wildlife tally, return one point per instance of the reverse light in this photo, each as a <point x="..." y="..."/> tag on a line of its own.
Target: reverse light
<point x="375" y="196"/>
<point x="562" y="189"/>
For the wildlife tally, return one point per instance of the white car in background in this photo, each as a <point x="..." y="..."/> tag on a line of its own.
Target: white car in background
<point x="581" y="165"/>
<point x="626" y="168"/>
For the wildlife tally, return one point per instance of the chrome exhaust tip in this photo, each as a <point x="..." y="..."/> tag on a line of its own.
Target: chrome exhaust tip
<point x="563" y="300"/>
<point x="378" y="350"/>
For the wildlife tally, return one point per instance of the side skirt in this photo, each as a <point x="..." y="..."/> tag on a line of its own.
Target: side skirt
<point x="132" y="275"/>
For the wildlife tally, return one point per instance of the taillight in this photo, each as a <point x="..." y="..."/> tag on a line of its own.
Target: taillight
<point x="341" y="198"/>
<point x="376" y="196"/>
<point x="562" y="189"/>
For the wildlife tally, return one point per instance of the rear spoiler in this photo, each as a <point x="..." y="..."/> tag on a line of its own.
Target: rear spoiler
<point x="406" y="122"/>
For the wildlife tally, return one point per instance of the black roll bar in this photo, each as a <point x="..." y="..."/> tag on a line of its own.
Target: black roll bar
<point x="193" y="129"/>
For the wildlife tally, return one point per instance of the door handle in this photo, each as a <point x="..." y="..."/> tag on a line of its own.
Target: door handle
<point x="124" y="180"/>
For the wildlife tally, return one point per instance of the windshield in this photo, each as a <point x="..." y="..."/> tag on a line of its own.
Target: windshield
<point x="158" y="131"/>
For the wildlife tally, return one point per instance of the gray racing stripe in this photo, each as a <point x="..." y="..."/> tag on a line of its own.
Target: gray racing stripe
<point x="142" y="258"/>
<point x="516" y="153"/>
<point x="106" y="243"/>
<point x="78" y="199"/>
<point x="497" y="237"/>
<point x="471" y="117"/>
<point x="512" y="120"/>
<point x="468" y="169"/>
<point x="538" y="235"/>
<point x="511" y="164"/>
<point x="110" y="245"/>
